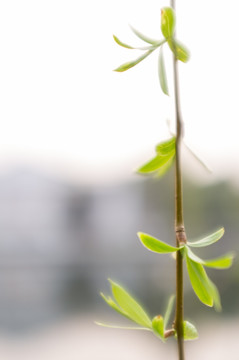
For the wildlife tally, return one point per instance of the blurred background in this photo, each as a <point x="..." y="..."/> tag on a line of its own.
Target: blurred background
<point x="72" y="133"/>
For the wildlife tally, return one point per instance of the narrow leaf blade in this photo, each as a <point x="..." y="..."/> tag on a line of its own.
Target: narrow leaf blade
<point x="199" y="281"/>
<point x="121" y="327"/>
<point x="156" y="245"/>
<point x="169" y="311"/>
<point x="222" y="262"/>
<point x="208" y="240"/>
<point x="117" y="40"/>
<point x="197" y="157"/>
<point x="144" y="37"/>
<point x="130" y="306"/>
<point x="193" y="256"/>
<point x="162" y="73"/>
<point x="113" y="305"/>
<point x="216" y="296"/>
<point x="130" y="64"/>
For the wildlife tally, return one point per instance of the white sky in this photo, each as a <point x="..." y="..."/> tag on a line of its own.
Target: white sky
<point x="65" y="110"/>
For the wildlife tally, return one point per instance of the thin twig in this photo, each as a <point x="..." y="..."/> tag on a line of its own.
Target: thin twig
<point x="179" y="222"/>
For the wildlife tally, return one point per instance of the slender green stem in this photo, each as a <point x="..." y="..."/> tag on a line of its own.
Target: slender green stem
<point x="179" y="222"/>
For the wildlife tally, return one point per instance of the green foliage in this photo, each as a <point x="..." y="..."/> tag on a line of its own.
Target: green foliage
<point x="165" y="152"/>
<point x="156" y="245"/>
<point x="189" y="330"/>
<point x="158" y="326"/>
<point x="178" y="49"/>
<point x="130" y="64"/>
<point x="167" y="22"/>
<point x="127" y="306"/>
<point x="162" y="74"/>
<point x="208" y="240"/>
<point x="145" y="38"/>
<point x="200" y="282"/>
<point x="168" y="311"/>
<point x="207" y="292"/>
<point x="203" y="287"/>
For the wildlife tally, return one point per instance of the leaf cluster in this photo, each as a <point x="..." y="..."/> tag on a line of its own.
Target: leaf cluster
<point x="167" y="28"/>
<point x="203" y="287"/>
<point x="127" y="306"/>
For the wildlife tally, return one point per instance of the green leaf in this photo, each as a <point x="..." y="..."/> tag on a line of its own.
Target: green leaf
<point x="121" y="43"/>
<point x="146" y="38"/>
<point x="158" y="326"/>
<point x="162" y="161"/>
<point x="208" y="240"/>
<point x="222" y="262"/>
<point x="190" y="332"/>
<point x="179" y="50"/>
<point x="166" y="147"/>
<point x="121" y="327"/>
<point x="155" y="164"/>
<point x="130" y="64"/>
<point x="216" y="296"/>
<point x="162" y="73"/>
<point x="113" y="305"/>
<point x="199" y="281"/>
<point x="193" y="256"/>
<point x="164" y="168"/>
<point x="168" y="311"/>
<point x="156" y="245"/>
<point x="167" y="22"/>
<point x="130" y="306"/>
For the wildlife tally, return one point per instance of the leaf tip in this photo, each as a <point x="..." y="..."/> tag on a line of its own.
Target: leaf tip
<point x="140" y="235"/>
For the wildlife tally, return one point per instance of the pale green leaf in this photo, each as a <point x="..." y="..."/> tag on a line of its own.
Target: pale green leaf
<point x="164" y="168"/>
<point x="121" y="327"/>
<point x="158" y="326"/>
<point x="156" y="245"/>
<point x="166" y="147"/>
<point x="179" y="50"/>
<point x="162" y="73"/>
<point x="146" y="38"/>
<point x="121" y="43"/>
<point x="113" y="305"/>
<point x="167" y="22"/>
<point x="189" y="330"/>
<point x="197" y="157"/>
<point x="168" y="311"/>
<point x="155" y="164"/>
<point x="216" y="296"/>
<point x="193" y="256"/>
<point x="208" y="240"/>
<point x="199" y="281"/>
<point x="130" y="306"/>
<point x="162" y="161"/>
<point x="222" y="262"/>
<point x="130" y="64"/>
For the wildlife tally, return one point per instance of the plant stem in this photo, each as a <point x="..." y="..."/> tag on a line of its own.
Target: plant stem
<point x="179" y="222"/>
